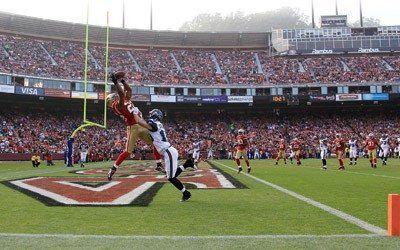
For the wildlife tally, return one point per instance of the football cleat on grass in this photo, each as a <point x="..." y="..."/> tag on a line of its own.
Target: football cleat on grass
<point x="111" y="172"/>
<point x="248" y="170"/>
<point x="240" y="169"/>
<point x="324" y="168"/>
<point x="341" y="168"/>
<point x="186" y="196"/>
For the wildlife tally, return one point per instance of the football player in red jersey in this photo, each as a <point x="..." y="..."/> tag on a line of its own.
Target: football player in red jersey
<point x="371" y="144"/>
<point x="123" y="106"/>
<point x="242" y="143"/>
<point x="339" y="146"/>
<point x="281" y="151"/>
<point x="296" y="147"/>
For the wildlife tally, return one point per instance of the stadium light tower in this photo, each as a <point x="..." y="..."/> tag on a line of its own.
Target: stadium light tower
<point x="151" y="14"/>
<point x="312" y="14"/>
<point x="336" y="8"/>
<point x="361" y="16"/>
<point x="123" y="13"/>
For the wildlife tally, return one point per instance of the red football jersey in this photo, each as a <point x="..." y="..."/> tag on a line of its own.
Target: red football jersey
<point x="125" y="112"/>
<point x="371" y="144"/>
<point x="242" y="142"/>
<point x="339" y="144"/>
<point x="282" y="146"/>
<point x="296" y="145"/>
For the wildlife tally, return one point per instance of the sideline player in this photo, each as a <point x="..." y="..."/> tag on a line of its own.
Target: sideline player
<point x="83" y="153"/>
<point x="353" y="152"/>
<point x="296" y="147"/>
<point x="242" y="143"/>
<point x="384" y="150"/>
<point x="123" y="106"/>
<point x="160" y="142"/>
<point x="323" y="147"/>
<point x="196" y="152"/>
<point x="291" y="154"/>
<point x="281" y="152"/>
<point x="339" y="146"/>
<point x="371" y="144"/>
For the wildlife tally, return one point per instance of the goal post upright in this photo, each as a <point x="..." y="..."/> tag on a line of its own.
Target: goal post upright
<point x="85" y="79"/>
<point x="86" y="122"/>
<point x="106" y="71"/>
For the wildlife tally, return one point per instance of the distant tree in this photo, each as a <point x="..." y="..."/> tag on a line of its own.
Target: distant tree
<point x="285" y="17"/>
<point x="368" y="22"/>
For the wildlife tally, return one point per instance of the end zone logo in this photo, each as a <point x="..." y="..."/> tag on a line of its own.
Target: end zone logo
<point x="135" y="189"/>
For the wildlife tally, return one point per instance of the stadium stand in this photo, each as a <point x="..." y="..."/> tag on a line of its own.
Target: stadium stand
<point x="64" y="59"/>
<point x="28" y="131"/>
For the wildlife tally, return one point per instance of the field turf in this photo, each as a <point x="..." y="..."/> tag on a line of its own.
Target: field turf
<point x="258" y="217"/>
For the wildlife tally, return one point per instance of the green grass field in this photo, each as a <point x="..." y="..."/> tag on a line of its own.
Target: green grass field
<point x="258" y="217"/>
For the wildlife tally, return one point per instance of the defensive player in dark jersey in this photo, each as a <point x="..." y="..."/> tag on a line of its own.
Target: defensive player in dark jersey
<point x="123" y="106"/>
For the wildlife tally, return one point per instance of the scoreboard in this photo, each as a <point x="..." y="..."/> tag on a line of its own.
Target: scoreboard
<point x="334" y="21"/>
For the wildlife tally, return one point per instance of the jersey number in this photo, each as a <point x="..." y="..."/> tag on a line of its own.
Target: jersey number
<point x="163" y="137"/>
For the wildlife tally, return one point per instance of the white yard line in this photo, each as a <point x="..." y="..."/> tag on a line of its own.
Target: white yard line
<point x="347" y="217"/>
<point x="177" y="237"/>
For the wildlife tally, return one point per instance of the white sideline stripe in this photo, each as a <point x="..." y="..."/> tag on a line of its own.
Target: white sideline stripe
<point x="177" y="237"/>
<point x="347" y="217"/>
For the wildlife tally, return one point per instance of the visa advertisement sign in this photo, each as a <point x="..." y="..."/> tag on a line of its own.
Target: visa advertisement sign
<point x="29" y="91"/>
<point x="376" y="97"/>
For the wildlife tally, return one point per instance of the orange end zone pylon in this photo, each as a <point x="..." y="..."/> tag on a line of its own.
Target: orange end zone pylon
<point x="394" y="215"/>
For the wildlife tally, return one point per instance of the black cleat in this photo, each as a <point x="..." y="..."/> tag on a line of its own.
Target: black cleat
<point x="248" y="170"/>
<point x="341" y="168"/>
<point x="186" y="196"/>
<point x="240" y="169"/>
<point x="324" y="168"/>
<point x="111" y="172"/>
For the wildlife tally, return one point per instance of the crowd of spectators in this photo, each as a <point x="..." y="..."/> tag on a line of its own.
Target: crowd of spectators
<point x="47" y="133"/>
<point x="65" y="59"/>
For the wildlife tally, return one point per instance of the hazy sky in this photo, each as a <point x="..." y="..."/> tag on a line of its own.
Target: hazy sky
<point x="171" y="14"/>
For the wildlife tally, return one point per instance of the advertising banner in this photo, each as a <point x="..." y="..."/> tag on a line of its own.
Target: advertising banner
<point x="81" y="95"/>
<point x="140" y="98"/>
<point x="7" y="89"/>
<point x="163" y="98"/>
<point x="376" y="97"/>
<point x="29" y="91"/>
<point x="322" y="98"/>
<point x="214" y="99"/>
<point x="57" y="93"/>
<point x="240" y="99"/>
<point x="188" y="99"/>
<point x="348" y="97"/>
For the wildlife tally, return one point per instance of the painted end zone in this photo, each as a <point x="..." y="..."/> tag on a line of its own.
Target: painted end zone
<point x="135" y="186"/>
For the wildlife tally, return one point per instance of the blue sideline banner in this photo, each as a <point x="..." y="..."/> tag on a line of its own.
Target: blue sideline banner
<point x="376" y="97"/>
<point x="29" y="91"/>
